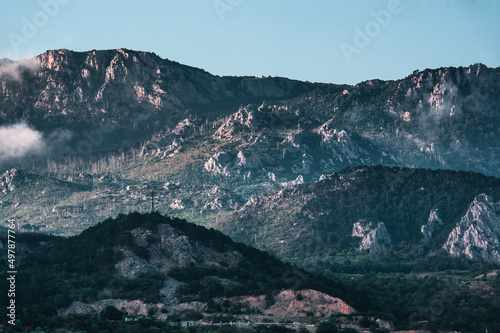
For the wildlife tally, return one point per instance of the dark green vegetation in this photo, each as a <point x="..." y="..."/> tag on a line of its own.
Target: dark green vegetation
<point x="315" y="221"/>
<point x="93" y="323"/>
<point x="413" y="283"/>
<point x="456" y="300"/>
<point x="57" y="271"/>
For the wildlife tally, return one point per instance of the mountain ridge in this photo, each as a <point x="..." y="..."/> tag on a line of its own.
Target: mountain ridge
<point x="384" y="208"/>
<point x="83" y="102"/>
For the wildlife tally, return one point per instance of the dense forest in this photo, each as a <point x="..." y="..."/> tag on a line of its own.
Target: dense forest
<point x="324" y="212"/>
<point x="57" y="271"/>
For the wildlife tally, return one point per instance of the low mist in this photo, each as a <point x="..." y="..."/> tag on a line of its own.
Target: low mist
<point x="14" y="69"/>
<point x="20" y="140"/>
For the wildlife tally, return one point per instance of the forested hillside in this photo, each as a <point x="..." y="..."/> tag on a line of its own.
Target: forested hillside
<point x="312" y="224"/>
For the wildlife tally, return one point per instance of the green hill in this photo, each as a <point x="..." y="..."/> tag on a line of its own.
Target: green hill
<point x="312" y="224"/>
<point x="157" y="261"/>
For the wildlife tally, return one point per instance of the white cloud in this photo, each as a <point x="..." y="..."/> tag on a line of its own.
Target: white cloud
<point x="13" y="69"/>
<point x="19" y="140"/>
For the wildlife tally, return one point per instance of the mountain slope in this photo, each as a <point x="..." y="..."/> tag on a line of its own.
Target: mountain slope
<point x="165" y="270"/>
<point x="440" y="118"/>
<point x="363" y="214"/>
<point x="134" y="93"/>
<point x="141" y="262"/>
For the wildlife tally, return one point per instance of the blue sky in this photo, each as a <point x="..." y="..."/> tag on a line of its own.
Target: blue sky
<point x="332" y="41"/>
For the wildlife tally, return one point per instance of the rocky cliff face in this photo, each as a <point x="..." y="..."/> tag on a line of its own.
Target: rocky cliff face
<point x="119" y="86"/>
<point x="265" y="144"/>
<point x="434" y="223"/>
<point x="374" y="236"/>
<point x="415" y="121"/>
<point x="445" y="92"/>
<point x="477" y="235"/>
<point x="427" y="106"/>
<point x="12" y="179"/>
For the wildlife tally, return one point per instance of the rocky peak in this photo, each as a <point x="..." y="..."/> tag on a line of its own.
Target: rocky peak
<point x="444" y="91"/>
<point x="477" y="235"/>
<point x="165" y="144"/>
<point x="434" y="222"/>
<point x="339" y="142"/>
<point x="57" y="60"/>
<point x="244" y="121"/>
<point x="374" y="235"/>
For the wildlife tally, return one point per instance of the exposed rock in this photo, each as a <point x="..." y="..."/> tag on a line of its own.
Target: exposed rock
<point x="244" y="120"/>
<point x="218" y="163"/>
<point x="241" y="159"/>
<point x="226" y="164"/>
<point x="12" y="179"/>
<point x="388" y="325"/>
<point x="185" y="127"/>
<point x="132" y="266"/>
<point x="477" y="235"/>
<point x="111" y="179"/>
<point x="166" y="144"/>
<point x="177" y="204"/>
<point x="434" y="222"/>
<point x="133" y="308"/>
<point x="339" y="143"/>
<point x="271" y="176"/>
<point x="168" y="291"/>
<point x="224" y="201"/>
<point x="172" y="249"/>
<point x="374" y="237"/>
<point x="309" y="152"/>
<point x="323" y="177"/>
<point x="287" y="304"/>
<point x="299" y="180"/>
<point x="166" y="248"/>
<point x="131" y="89"/>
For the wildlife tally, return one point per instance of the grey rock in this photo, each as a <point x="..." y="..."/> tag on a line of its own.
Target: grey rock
<point x="374" y="236"/>
<point x="13" y="179"/>
<point x="477" y="235"/>
<point x="434" y="223"/>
